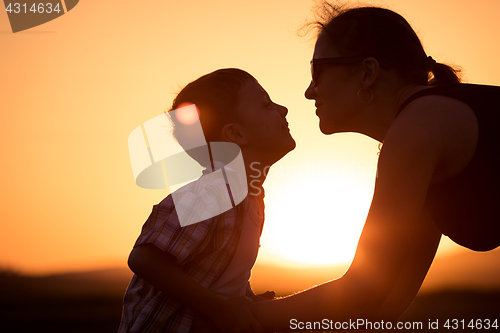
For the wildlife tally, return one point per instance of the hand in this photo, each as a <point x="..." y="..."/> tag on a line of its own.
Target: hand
<point x="237" y="317"/>
<point x="268" y="295"/>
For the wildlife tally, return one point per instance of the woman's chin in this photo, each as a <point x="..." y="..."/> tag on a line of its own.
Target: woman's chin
<point x="326" y="129"/>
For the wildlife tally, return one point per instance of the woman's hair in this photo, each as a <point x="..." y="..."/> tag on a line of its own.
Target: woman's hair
<point x="386" y="36"/>
<point x="215" y="96"/>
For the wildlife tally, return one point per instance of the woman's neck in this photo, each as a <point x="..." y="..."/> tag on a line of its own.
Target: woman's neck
<point x="405" y="93"/>
<point x="385" y="110"/>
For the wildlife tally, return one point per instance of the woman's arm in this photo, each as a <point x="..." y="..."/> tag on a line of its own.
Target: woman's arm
<point x="413" y="270"/>
<point x="361" y="296"/>
<point x="260" y="297"/>
<point x="162" y="271"/>
<point x="399" y="240"/>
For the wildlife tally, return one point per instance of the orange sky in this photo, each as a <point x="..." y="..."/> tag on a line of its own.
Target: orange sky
<point x="73" y="89"/>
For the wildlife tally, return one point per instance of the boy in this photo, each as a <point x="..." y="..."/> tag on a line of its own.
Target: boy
<point x="193" y="278"/>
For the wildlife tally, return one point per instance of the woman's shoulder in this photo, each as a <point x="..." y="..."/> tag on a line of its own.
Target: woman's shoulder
<point x="474" y="95"/>
<point x="433" y="109"/>
<point x="449" y="111"/>
<point x="437" y="126"/>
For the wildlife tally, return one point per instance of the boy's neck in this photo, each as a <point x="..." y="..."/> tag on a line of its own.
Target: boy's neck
<point x="256" y="168"/>
<point x="256" y="173"/>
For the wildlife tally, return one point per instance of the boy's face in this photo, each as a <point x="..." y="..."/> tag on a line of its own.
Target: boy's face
<point x="263" y="123"/>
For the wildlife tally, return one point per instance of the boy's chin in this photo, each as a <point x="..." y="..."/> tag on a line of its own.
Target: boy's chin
<point x="293" y="144"/>
<point x="288" y="147"/>
<point x="272" y="154"/>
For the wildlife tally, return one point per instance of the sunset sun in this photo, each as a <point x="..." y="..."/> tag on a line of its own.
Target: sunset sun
<point x="315" y="220"/>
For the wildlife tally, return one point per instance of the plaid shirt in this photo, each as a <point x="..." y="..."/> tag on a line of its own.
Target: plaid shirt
<point x="203" y="250"/>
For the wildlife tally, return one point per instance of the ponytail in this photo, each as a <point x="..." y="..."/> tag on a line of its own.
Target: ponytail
<point x="443" y="74"/>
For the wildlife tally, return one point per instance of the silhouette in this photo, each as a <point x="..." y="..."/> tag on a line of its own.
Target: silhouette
<point x="436" y="171"/>
<point x="193" y="258"/>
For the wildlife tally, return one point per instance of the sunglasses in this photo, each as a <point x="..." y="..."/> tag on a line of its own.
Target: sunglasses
<point x="318" y="65"/>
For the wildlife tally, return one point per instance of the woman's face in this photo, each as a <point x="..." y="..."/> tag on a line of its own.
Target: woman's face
<point x="335" y="91"/>
<point x="263" y="123"/>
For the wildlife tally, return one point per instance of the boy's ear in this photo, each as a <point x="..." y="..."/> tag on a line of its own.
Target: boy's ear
<point x="233" y="133"/>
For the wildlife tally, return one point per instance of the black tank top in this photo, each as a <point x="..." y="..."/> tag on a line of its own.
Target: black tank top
<point x="466" y="207"/>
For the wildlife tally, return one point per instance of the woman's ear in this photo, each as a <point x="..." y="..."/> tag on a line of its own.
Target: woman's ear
<point x="370" y="71"/>
<point x="233" y="133"/>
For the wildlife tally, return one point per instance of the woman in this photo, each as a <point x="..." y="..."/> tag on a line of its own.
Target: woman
<point x="437" y="171"/>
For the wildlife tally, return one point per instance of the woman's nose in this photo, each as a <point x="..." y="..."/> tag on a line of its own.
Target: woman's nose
<point x="310" y="92"/>
<point x="283" y="110"/>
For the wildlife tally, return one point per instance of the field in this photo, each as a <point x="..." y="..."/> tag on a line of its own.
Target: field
<point x="91" y="303"/>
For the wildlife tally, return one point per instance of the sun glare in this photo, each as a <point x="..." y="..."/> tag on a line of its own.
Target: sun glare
<point x="315" y="222"/>
<point x="187" y="114"/>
